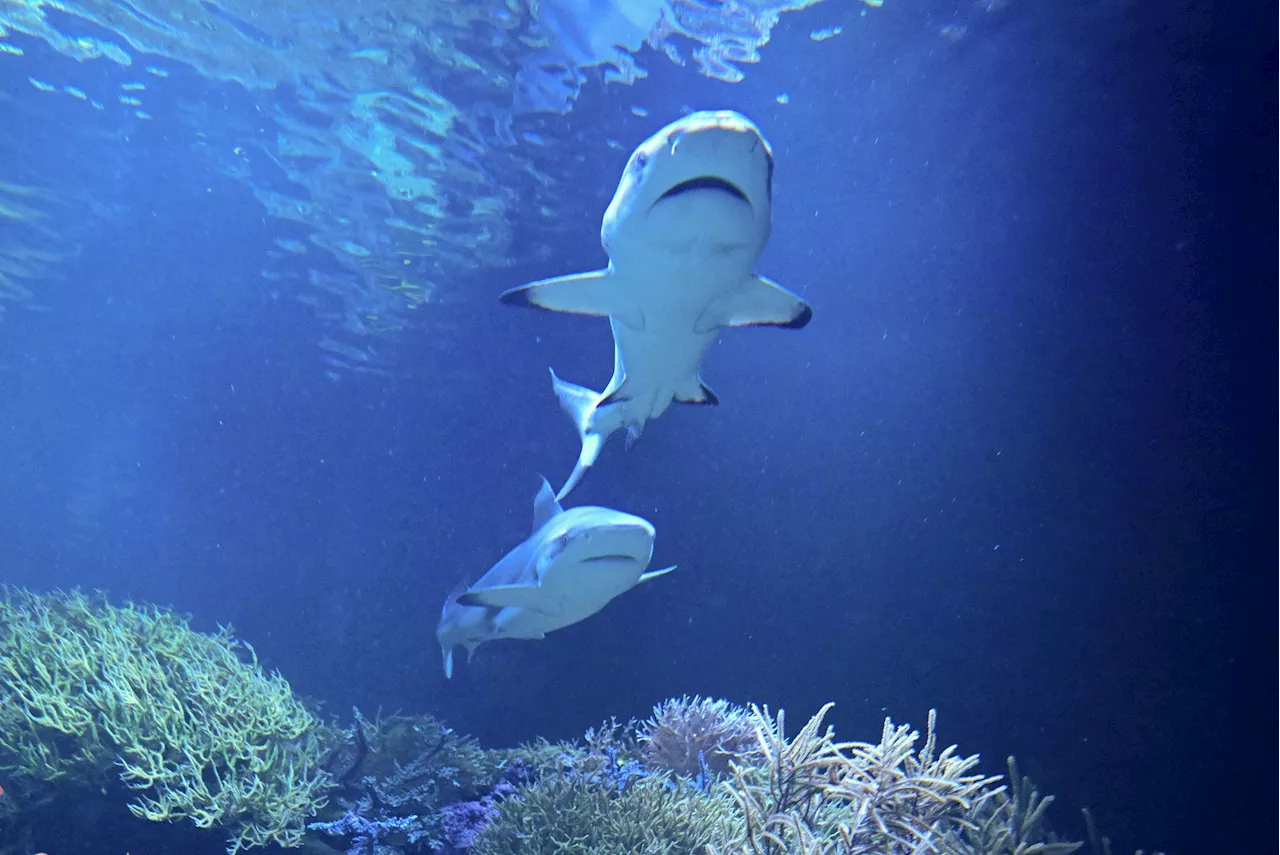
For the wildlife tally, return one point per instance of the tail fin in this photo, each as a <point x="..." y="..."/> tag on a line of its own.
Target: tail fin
<point x="591" y="443"/>
<point x="579" y="402"/>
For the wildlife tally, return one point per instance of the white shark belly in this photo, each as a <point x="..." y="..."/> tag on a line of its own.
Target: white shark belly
<point x="661" y="360"/>
<point x="661" y="363"/>
<point x="577" y="595"/>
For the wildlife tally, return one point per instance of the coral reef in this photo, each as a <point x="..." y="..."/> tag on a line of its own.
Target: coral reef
<point x="190" y="721"/>
<point x="132" y="702"/>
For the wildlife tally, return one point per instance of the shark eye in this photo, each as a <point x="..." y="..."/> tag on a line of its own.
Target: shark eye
<point x="642" y="160"/>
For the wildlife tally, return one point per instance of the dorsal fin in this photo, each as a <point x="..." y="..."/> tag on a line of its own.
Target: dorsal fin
<point x="545" y="505"/>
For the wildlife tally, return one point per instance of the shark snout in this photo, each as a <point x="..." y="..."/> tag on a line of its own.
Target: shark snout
<point x="714" y="142"/>
<point x="630" y="539"/>
<point x="716" y="154"/>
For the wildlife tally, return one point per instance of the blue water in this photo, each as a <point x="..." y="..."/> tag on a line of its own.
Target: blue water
<point x="1010" y="470"/>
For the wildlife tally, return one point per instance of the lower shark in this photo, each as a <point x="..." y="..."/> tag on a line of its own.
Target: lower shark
<point x="686" y="226"/>
<point x="569" y="568"/>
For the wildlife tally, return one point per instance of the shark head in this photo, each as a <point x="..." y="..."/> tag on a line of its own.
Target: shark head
<point x="711" y="171"/>
<point x="580" y="538"/>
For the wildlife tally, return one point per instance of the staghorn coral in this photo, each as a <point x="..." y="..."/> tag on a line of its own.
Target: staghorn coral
<point x="812" y="795"/>
<point x="191" y="721"/>
<point x="1010" y="822"/>
<point x="694" y="736"/>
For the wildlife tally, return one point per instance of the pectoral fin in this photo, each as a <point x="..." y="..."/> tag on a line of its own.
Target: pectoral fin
<point x="654" y="574"/>
<point x="756" y="301"/>
<point x="594" y="293"/>
<point x="502" y="597"/>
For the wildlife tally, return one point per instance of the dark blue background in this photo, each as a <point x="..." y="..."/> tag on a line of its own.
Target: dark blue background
<point x="1012" y="470"/>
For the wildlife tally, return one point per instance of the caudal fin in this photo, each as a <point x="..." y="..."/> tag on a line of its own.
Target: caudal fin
<point x="578" y="402"/>
<point x="591" y="443"/>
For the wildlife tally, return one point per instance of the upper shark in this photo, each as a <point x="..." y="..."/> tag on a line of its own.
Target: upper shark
<point x="569" y="568"/>
<point x="684" y="231"/>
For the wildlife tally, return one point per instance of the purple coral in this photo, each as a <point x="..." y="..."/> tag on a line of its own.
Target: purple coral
<point x="370" y="835"/>
<point x="462" y="822"/>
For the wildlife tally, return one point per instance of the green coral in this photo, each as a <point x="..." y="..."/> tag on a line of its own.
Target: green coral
<point x="193" y="723"/>
<point x="595" y="796"/>
<point x="577" y="814"/>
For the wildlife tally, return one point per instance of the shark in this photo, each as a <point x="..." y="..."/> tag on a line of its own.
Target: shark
<point x="684" y="231"/>
<point x="570" y="567"/>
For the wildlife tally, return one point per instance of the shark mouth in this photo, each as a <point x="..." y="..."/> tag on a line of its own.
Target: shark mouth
<point x="706" y="182"/>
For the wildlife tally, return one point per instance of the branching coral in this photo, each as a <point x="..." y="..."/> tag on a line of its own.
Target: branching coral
<point x="815" y="796"/>
<point x="191" y="720"/>
<point x="1010" y="822"/>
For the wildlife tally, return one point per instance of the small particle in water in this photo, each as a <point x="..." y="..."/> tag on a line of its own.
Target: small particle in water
<point x="75" y="93"/>
<point x="531" y="137"/>
<point x="131" y="101"/>
<point x="953" y="32"/>
<point x="41" y="85"/>
<point x="783" y="98"/>
<point x="821" y="35"/>
<point x="132" y="87"/>
<point x="640" y="111"/>
<point x="874" y="4"/>
<point x="613" y="144"/>
<point x="158" y="72"/>
<point x="142" y="114"/>
<point x="355" y="249"/>
<point x="8" y="48"/>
